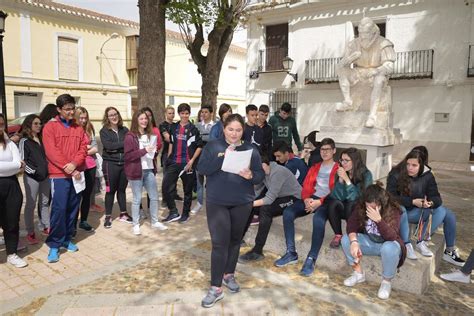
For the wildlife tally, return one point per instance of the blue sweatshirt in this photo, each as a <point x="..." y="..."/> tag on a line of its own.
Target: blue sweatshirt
<point x="224" y="188"/>
<point x="298" y="168"/>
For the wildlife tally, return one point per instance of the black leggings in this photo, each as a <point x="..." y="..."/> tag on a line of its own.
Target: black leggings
<point x="11" y="199"/>
<point x="226" y="226"/>
<point x="115" y="181"/>
<point x="338" y="210"/>
<point x="89" y="175"/>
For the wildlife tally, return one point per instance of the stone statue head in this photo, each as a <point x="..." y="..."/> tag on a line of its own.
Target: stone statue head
<point x="368" y="32"/>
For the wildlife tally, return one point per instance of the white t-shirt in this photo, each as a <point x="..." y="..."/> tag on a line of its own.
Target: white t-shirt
<point x="322" y="182"/>
<point x="147" y="162"/>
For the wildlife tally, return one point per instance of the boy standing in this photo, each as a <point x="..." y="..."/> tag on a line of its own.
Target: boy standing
<point x="267" y="143"/>
<point x="284" y="127"/>
<point x="252" y="133"/>
<point x="65" y="145"/>
<point x="184" y="149"/>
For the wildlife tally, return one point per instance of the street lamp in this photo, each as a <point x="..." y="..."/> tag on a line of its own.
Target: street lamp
<point x="3" y="16"/>
<point x="287" y="65"/>
<point x="101" y="54"/>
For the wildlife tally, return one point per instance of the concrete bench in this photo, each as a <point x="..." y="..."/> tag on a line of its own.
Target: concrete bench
<point x="413" y="277"/>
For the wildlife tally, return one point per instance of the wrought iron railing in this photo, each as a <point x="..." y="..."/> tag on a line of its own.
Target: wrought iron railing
<point x="271" y="59"/>
<point x="408" y="65"/>
<point x="470" y="62"/>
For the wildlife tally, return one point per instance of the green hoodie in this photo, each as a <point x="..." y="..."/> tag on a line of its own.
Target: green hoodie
<point x="351" y="192"/>
<point x="285" y="130"/>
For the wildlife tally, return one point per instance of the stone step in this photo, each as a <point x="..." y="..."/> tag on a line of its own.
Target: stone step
<point x="414" y="276"/>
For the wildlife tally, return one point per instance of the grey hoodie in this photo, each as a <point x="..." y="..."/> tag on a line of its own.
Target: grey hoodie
<point x="280" y="183"/>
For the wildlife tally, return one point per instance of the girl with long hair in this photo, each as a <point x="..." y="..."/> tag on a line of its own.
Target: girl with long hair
<point x="229" y="199"/>
<point x="352" y="179"/>
<point x="35" y="178"/>
<point x="11" y="196"/>
<point x="217" y="130"/>
<point x="82" y="118"/>
<point x="414" y="186"/>
<point x="112" y="136"/>
<point x="373" y="230"/>
<point x="140" y="167"/>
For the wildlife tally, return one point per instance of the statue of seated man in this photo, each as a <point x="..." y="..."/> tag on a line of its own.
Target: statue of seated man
<point x="372" y="57"/>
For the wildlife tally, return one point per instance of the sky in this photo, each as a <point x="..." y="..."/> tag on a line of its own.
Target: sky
<point x="128" y="9"/>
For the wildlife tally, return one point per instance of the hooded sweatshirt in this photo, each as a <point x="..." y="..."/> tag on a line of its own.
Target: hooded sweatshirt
<point x="285" y="130"/>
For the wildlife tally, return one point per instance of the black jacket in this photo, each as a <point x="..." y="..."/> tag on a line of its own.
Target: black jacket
<point x="113" y="144"/>
<point x="424" y="185"/>
<point x="224" y="188"/>
<point x="33" y="154"/>
<point x="267" y="142"/>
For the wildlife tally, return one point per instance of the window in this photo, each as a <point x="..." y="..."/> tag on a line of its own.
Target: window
<point x="132" y="51"/>
<point x="26" y="103"/>
<point x="68" y="58"/>
<point x="171" y="100"/>
<point x="381" y="25"/>
<point x="277" y="98"/>
<point x="276" y="44"/>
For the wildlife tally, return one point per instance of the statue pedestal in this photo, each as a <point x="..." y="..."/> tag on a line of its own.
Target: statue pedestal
<point x="346" y="128"/>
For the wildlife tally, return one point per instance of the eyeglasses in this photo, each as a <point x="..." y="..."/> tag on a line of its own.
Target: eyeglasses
<point x="325" y="150"/>
<point x="112" y="115"/>
<point x="344" y="160"/>
<point x="68" y="109"/>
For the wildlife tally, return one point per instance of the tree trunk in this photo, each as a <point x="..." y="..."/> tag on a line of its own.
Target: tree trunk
<point x="151" y="57"/>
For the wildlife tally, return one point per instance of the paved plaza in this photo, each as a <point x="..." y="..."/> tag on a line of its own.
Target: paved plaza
<point x="167" y="273"/>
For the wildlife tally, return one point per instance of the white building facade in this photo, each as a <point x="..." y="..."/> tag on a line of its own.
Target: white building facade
<point x="432" y="91"/>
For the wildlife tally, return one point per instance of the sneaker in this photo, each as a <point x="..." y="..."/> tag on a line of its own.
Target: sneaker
<point x="31" y="238"/>
<point x="411" y="252"/>
<point x="70" y="246"/>
<point x="16" y="261"/>
<point x="384" y="290"/>
<point x="46" y="231"/>
<point x="159" y="226"/>
<point x="336" y="241"/>
<point x="173" y="216"/>
<point x="124" y="217"/>
<point x="136" y="230"/>
<point x="231" y="284"/>
<point x="97" y="208"/>
<point x="453" y="258"/>
<point x="143" y="214"/>
<point x="196" y="208"/>
<point x="308" y="267"/>
<point x="213" y="295"/>
<point x="178" y="198"/>
<point x="108" y="222"/>
<point x="184" y="218"/>
<point x="255" y="220"/>
<point x="53" y="255"/>
<point x="423" y="249"/>
<point x="456" y="276"/>
<point x="355" y="278"/>
<point x="85" y="226"/>
<point x="251" y="256"/>
<point x="288" y="258"/>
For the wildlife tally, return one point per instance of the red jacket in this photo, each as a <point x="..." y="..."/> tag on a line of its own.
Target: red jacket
<point x="310" y="181"/>
<point x="64" y="145"/>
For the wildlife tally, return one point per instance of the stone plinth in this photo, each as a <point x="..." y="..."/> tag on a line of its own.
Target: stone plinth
<point x="414" y="276"/>
<point x="347" y="129"/>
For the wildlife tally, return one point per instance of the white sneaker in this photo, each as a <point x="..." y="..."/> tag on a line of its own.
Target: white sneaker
<point x="159" y="226"/>
<point x="411" y="252"/>
<point x="196" y="208"/>
<point x="355" y="278"/>
<point x="456" y="276"/>
<point x="136" y="230"/>
<point x="16" y="261"/>
<point x="384" y="290"/>
<point x="423" y="249"/>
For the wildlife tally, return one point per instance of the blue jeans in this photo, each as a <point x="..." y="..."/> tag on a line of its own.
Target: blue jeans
<point x="298" y="210"/>
<point x="441" y="215"/>
<point x="149" y="182"/>
<point x="200" y="188"/>
<point x="319" y="224"/>
<point x="64" y="208"/>
<point x="404" y="226"/>
<point x="389" y="251"/>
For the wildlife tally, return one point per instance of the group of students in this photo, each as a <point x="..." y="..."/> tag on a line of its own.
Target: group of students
<point x="62" y="154"/>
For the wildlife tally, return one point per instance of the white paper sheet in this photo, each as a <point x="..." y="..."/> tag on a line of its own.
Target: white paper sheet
<point x="79" y="185"/>
<point x="236" y="161"/>
<point x="153" y="143"/>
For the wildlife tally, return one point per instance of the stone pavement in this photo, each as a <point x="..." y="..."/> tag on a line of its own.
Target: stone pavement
<point x="167" y="273"/>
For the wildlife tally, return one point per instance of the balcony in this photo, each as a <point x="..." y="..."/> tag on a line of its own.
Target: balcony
<point x="408" y="65"/>
<point x="271" y="59"/>
<point x="470" y="62"/>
